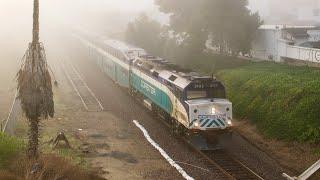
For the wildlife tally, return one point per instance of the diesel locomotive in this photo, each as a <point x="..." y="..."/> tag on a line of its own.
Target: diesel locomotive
<point x="194" y="103"/>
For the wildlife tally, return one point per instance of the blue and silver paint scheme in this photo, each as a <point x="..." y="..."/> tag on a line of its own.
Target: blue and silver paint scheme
<point x="159" y="94"/>
<point x="198" y="114"/>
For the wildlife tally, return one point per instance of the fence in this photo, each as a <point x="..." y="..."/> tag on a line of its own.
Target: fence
<point x="298" y="53"/>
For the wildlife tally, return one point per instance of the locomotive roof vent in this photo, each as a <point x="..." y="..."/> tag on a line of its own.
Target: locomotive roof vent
<point x="173" y="78"/>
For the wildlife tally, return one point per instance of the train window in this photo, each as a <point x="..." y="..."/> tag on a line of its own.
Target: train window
<point x="155" y="74"/>
<point x="196" y="94"/>
<point x="217" y="93"/>
<point x="172" y="78"/>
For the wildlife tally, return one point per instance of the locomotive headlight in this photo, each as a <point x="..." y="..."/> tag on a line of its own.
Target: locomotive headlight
<point x="213" y="110"/>
<point x="229" y="122"/>
<point x="196" y="124"/>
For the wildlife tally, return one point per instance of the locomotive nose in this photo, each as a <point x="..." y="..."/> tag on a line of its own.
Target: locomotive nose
<point x="208" y="115"/>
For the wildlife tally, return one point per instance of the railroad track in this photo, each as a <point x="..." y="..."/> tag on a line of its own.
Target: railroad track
<point x="231" y="167"/>
<point x="88" y="98"/>
<point x="219" y="160"/>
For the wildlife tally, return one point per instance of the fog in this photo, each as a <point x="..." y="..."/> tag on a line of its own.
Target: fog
<point x="111" y="16"/>
<point x="16" y="15"/>
<point x="296" y="12"/>
<point x="99" y="16"/>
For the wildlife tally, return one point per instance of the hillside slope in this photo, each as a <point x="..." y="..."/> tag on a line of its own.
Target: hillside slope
<point x="283" y="101"/>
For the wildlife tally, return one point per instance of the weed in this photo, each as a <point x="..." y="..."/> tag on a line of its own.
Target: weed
<point x="9" y="147"/>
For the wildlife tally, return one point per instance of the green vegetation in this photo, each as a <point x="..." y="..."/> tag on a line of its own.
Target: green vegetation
<point x="73" y="155"/>
<point x="208" y="64"/>
<point x="230" y="31"/>
<point x="9" y="147"/>
<point x="283" y="101"/>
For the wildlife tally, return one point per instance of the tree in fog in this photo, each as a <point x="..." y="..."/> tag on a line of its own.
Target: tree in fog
<point x="186" y="22"/>
<point x="145" y="32"/>
<point x="162" y="40"/>
<point x="229" y="23"/>
<point x="34" y="86"/>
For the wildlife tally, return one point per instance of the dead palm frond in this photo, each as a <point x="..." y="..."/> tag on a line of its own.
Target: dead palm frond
<point x="34" y="86"/>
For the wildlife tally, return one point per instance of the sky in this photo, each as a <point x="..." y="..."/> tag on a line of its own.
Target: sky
<point x="19" y="10"/>
<point x="16" y="15"/>
<point x="102" y="16"/>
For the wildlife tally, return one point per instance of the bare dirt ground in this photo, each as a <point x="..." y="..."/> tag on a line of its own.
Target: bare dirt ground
<point x="100" y="139"/>
<point x="294" y="156"/>
<point x="109" y="142"/>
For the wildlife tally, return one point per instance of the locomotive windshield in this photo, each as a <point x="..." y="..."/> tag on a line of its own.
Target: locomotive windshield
<point x="196" y="94"/>
<point x="205" y="91"/>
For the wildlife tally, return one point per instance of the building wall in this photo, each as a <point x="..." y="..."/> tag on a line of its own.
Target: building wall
<point x="269" y="45"/>
<point x="299" y="53"/>
<point x="265" y="46"/>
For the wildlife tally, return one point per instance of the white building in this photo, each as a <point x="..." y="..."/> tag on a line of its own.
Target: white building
<point x="295" y="12"/>
<point x="276" y="42"/>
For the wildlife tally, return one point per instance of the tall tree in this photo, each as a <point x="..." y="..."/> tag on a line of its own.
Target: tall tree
<point x="186" y="20"/>
<point x="34" y="86"/>
<point x="230" y="23"/>
<point x="145" y="32"/>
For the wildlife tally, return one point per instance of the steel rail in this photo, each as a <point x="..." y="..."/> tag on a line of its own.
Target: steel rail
<point x="85" y="84"/>
<point x="73" y="83"/>
<point x="218" y="166"/>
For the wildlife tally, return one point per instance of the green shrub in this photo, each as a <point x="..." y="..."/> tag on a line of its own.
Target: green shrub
<point x="9" y="147"/>
<point x="284" y="101"/>
<point x="208" y="64"/>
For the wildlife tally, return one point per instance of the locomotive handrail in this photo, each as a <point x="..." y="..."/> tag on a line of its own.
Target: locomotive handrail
<point x="305" y="175"/>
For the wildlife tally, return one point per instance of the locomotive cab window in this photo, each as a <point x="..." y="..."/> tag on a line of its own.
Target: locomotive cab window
<point x="205" y="91"/>
<point x="196" y="94"/>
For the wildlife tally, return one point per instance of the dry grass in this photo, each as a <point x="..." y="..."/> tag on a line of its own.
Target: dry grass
<point x="6" y="175"/>
<point x="47" y="167"/>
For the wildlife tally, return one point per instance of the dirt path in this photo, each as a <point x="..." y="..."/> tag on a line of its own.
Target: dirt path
<point x="117" y="150"/>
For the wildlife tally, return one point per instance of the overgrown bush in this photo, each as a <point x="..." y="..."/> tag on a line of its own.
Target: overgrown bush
<point x="284" y="101"/>
<point x="9" y="147"/>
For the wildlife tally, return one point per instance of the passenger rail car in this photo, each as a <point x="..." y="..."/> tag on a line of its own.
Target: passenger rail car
<point x="194" y="102"/>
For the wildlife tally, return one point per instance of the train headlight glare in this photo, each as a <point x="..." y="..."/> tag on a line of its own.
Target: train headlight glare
<point x="196" y="124"/>
<point x="213" y="110"/>
<point x="229" y="122"/>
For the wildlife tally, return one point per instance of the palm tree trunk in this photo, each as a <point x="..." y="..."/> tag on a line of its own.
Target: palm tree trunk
<point x="35" y="31"/>
<point x="34" y="121"/>
<point x="33" y="139"/>
<point x="34" y="86"/>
